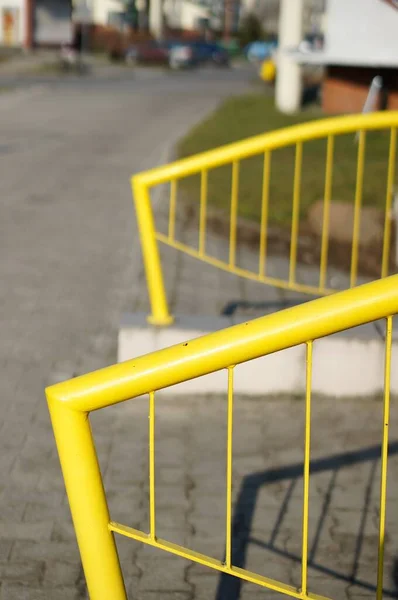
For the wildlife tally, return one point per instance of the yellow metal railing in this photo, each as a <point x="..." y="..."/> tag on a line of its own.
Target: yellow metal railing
<point x="71" y="402"/>
<point x="233" y="155"/>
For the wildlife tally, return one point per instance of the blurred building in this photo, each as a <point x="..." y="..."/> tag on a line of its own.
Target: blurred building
<point x="107" y="12"/>
<point x="361" y="42"/>
<point x="193" y="14"/>
<point x="178" y="14"/>
<point x="35" y="22"/>
<point x="187" y="15"/>
<point x="268" y="13"/>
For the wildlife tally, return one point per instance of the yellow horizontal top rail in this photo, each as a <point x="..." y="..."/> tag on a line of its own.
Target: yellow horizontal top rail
<point x="268" y="141"/>
<point x="231" y="346"/>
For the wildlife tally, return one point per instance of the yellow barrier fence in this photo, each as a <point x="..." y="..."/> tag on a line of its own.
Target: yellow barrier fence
<point x="71" y="402"/>
<point x="233" y="154"/>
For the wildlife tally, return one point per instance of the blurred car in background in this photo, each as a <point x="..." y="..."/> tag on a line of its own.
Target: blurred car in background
<point x="311" y="42"/>
<point x="260" y="51"/>
<point x="152" y="52"/>
<point x="210" y="53"/>
<point x="233" y="47"/>
<point x="182" y="56"/>
<point x="177" y="54"/>
<point x="192" y="54"/>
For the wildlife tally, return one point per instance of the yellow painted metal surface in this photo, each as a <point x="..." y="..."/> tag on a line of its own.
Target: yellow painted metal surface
<point x="150" y="254"/>
<point x="306" y="474"/>
<point x="264" y="214"/>
<point x="389" y="196"/>
<point x="327" y="198"/>
<point x="268" y="71"/>
<point x="357" y="207"/>
<point x="384" y="458"/>
<point x="296" y="210"/>
<point x="233" y="155"/>
<point x="234" y="214"/>
<point x="71" y="402"/>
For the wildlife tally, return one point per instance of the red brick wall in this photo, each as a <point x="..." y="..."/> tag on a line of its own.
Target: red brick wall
<point x="392" y="101"/>
<point x="345" y="89"/>
<point x="28" y="42"/>
<point x="111" y="39"/>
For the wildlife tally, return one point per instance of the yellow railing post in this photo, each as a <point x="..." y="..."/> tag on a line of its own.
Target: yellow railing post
<point x="87" y="501"/>
<point x="150" y="252"/>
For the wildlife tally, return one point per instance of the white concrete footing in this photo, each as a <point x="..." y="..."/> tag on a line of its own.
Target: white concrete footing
<point x="348" y="364"/>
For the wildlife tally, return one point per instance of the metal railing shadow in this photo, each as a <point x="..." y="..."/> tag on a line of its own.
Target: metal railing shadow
<point x="229" y="587"/>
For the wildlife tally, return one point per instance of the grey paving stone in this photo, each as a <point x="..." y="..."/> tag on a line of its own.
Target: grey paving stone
<point x="59" y="573"/>
<point x="174" y="595"/>
<point x="163" y="575"/>
<point x="205" y="585"/>
<point x="30" y="550"/>
<point x="5" y="550"/>
<point x="24" y="573"/>
<point x="18" y="592"/>
<point x="26" y="531"/>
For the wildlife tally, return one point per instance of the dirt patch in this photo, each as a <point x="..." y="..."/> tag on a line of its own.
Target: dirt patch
<point x="309" y="244"/>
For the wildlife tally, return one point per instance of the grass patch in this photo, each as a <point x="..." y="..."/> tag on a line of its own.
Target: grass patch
<point x="253" y="114"/>
<point x="46" y="68"/>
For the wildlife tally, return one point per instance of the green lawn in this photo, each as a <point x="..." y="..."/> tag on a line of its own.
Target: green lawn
<point x="248" y="115"/>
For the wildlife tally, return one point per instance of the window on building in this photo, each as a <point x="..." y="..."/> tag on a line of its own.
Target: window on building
<point x="115" y="19"/>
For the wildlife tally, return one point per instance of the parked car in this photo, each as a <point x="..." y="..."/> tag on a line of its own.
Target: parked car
<point x="232" y="47"/>
<point x="192" y="54"/>
<point x="260" y="51"/>
<point x="152" y="52"/>
<point x="311" y="42"/>
<point x="211" y="53"/>
<point x="182" y="56"/>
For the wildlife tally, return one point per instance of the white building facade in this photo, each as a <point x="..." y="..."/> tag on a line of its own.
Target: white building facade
<point x="13" y="23"/>
<point x="35" y="22"/>
<point x="186" y="14"/>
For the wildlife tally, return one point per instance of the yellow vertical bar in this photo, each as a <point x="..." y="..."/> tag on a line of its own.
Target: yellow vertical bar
<point x="203" y="212"/>
<point x="389" y="195"/>
<point x="384" y="458"/>
<point x="306" y="475"/>
<point x="326" y="211"/>
<point x="228" y="536"/>
<point x="234" y="213"/>
<point x="296" y="209"/>
<point x="172" y="211"/>
<point x="357" y="208"/>
<point x="264" y="213"/>
<point x="87" y="502"/>
<point x="152" y="509"/>
<point x="150" y="253"/>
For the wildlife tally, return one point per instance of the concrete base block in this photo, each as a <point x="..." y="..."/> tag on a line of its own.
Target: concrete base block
<point x="347" y="364"/>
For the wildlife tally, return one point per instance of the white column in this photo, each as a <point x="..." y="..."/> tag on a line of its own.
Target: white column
<point x="288" y="80"/>
<point x="156" y="18"/>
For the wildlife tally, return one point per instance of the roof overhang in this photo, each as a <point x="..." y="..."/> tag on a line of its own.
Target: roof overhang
<point x="321" y="57"/>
